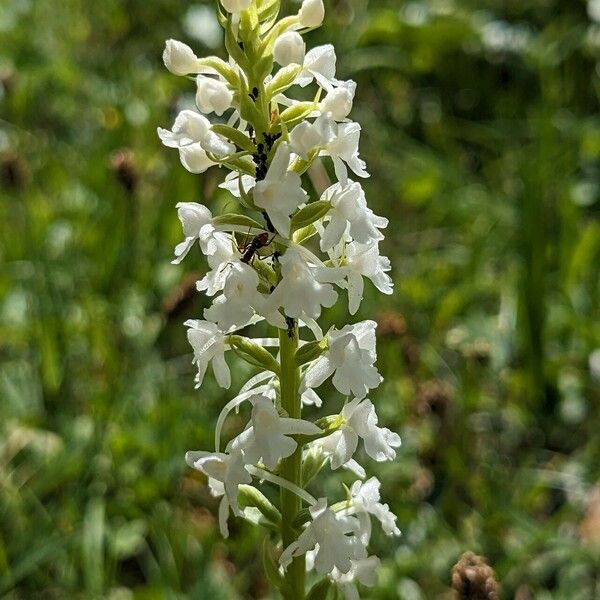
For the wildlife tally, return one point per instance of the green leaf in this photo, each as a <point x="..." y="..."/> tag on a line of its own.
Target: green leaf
<point x="304" y="234"/>
<point x="250" y="496"/>
<point x="272" y="571"/>
<point x="320" y="590"/>
<point x="310" y="214"/>
<point x="310" y="351"/>
<point x="241" y="140"/>
<point x="283" y="80"/>
<point x="253" y="353"/>
<point x="237" y="220"/>
<point x="294" y="114"/>
<point x="92" y="546"/>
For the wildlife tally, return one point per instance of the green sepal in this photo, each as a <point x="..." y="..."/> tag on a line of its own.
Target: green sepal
<point x="310" y="214"/>
<point x="272" y="572"/>
<point x="222" y="68"/>
<point x="312" y="464"/>
<point x="320" y="590"/>
<point x="263" y="67"/>
<point x="250" y="496"/>
<point x="232" y="46"/>
<point x="310" y="351"/>
<point x="235" y="219"/>
<point x="269" y="10"/>
<point x="240" y="139"/>
<point x="253" y="354"/>
<point x="283" y="80"/>
<point x="281" y="27"/>
<point x="294" y="114"/>
<point x="304" y="234"/>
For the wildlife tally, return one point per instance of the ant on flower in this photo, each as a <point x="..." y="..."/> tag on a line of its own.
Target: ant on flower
<point x="249" y="249"/>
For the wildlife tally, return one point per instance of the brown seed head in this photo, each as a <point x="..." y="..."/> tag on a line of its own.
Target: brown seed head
<point x="474" y="579"/>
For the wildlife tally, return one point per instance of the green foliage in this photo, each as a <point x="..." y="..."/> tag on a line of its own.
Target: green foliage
<point x="481" y="130"/>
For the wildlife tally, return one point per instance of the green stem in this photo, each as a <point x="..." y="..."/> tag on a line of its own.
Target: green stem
<point x="291" y="467"/>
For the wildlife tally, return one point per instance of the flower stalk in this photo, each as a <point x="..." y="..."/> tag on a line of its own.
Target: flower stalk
<point x="282" y="259"/>
<point x="291" y="467"/>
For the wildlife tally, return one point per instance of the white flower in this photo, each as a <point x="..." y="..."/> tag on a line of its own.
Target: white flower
<point x="191" y="133"/>
<point x="209" y="344"/>
<point x="212" y="95"/>
<point x="267" y="437"/>
<point x="225" y="472"/>
<point x="289" y="49"/>
<point x="189" y="128"/>
<point x="280" y="193"/>
<point x="363" y="570"/>
<point x="194" y="158"/>
<point x="236" y="306"/>
<point x="349" y="212"/>
<point x="319" y="64"/>
<point x="365" y="498"/>
<point x="342" y="146"/>
<point x="196" y="221"/>
<point x="300" y="292"/>
<point x="327" y="532"/>
<point x="312" y="13"/>
<point x="236" y="6"/>
<point x="364" y="260"/>
<point x="360" y="422"/>
<point x="350" y="358"/>
<point x="338" y="140"/>
<point x="338" y="102"/>
<point x="305" y="138"/>
<point x="179" y="58"/>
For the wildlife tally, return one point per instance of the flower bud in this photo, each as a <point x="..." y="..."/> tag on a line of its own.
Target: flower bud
<point x="179" y="58"/>
<point x="212" y="95"/>
<point x="289" y="48"/>
<point x="236" y="6"/>
<point x="304" y="138"/>
<point x="312" y="13"/>
<point x="338" y="102"/>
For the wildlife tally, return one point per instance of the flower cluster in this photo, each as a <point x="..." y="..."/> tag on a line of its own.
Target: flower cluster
<point x="282" y="259"/>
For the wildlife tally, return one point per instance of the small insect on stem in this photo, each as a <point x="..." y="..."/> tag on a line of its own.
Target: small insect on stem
<point x="249" y="250"/>
<point x="291" y="327"/>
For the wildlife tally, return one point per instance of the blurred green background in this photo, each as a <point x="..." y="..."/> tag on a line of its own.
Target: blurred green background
<point x="482" y="133"/>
